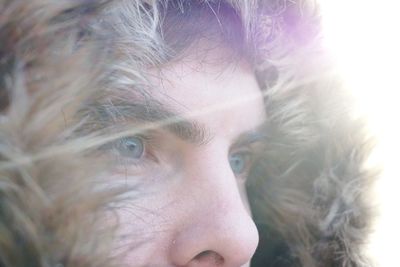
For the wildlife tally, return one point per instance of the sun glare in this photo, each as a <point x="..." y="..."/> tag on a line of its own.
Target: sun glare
<point x="363" y="38"/>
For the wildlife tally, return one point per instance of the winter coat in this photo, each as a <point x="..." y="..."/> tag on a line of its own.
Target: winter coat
<point x="308" y="192"/>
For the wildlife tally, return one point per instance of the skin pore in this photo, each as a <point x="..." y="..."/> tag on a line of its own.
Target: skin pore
<point x="193" y="209"/>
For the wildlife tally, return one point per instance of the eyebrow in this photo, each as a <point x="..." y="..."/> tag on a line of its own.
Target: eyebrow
<point x="151" y="111"/>
<point x="251" y="137"/>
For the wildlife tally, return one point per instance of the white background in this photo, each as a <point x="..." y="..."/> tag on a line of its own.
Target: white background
<point x="363" y="37"/>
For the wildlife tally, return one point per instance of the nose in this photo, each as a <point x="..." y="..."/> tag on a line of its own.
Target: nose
<point x="218" y="230"/>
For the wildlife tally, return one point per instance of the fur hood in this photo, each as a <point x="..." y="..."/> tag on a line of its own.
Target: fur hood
<point x="309" y="191"/>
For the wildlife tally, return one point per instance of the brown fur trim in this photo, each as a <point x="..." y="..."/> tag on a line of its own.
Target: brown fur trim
<point x="49" y="208"/>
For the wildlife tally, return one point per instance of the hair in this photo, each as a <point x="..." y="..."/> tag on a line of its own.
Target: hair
<point x="308" y="189"/>
<point x="49" y="207"/>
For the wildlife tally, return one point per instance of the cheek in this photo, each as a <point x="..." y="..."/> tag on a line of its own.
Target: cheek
<point x="144" y="227"/>
<point x="139" y="219"/>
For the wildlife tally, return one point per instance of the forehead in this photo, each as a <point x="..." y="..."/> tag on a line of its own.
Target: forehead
<point x="209" y="88"/>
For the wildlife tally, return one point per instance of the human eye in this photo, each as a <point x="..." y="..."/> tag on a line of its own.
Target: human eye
<point x="240" y="163"/>
<point x="131" y="147"/>
<point x="134" y="151"/>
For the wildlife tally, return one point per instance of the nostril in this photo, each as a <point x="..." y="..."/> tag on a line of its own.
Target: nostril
<point x="210" y="257"/>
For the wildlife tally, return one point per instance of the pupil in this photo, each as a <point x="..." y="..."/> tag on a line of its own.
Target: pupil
<point x="131" y="147"/>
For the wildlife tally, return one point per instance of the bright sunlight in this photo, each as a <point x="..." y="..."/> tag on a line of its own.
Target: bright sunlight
<point x="363" y="37"/>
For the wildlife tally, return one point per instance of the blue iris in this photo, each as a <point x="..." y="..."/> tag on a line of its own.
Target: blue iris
<point x="131" y="147"/>
<point x="238" y="162"/>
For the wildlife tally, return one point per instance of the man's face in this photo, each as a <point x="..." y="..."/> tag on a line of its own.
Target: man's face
<point x="191" y="207"/>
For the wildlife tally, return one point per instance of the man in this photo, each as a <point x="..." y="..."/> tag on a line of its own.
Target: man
<point x="172" y="125"/>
